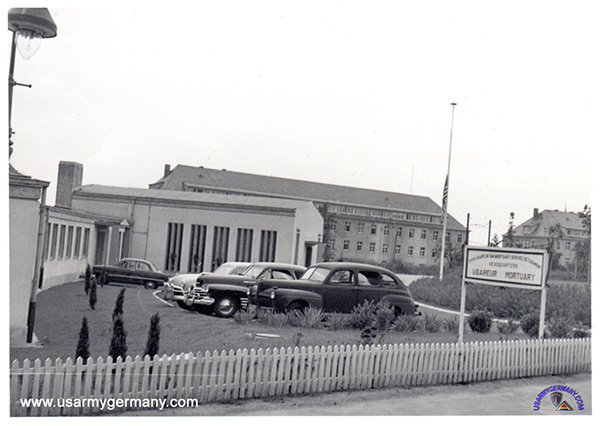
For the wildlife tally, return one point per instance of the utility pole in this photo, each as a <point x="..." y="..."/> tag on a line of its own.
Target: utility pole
<point x="445" y="199"/>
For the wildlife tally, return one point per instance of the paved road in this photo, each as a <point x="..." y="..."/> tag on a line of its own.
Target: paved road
<point x="501" y="397"/>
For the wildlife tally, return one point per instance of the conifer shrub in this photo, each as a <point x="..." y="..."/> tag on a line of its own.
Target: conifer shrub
<point x="88" y="279"/>
<point x="118" y="311"/>
<point x="153" y="342"/>
<point x="118" y="343"/>
<point x="93" y="298"/>
<point x="83" y="345"/>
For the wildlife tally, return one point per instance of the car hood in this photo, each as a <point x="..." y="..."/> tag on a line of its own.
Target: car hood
<point x="242" y="280"/>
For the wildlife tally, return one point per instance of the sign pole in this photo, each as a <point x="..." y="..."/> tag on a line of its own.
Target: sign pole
<point x="543" y="302"/>
<point x="463" y="296"/>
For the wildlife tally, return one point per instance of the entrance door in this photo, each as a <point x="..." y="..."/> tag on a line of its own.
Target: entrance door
<point x="101" y="240"/>
<point x="308" y="256"/>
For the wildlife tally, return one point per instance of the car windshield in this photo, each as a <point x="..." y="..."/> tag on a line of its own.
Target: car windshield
<point x="253" y="271"/>
<point x="315" y="274"/>
<point x="227" y="269"/>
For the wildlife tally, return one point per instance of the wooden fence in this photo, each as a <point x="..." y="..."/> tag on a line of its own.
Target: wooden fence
<point x="75" y="388"/>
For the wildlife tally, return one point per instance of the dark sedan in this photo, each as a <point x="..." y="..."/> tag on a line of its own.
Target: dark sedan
<point x="335" y="287"/>
<point x="131" y="271"/>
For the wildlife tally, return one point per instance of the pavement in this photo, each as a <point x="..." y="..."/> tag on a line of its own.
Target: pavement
<point x="500" y="397"/>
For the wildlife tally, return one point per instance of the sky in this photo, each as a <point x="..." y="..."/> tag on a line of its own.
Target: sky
<point x="354" y="93"/>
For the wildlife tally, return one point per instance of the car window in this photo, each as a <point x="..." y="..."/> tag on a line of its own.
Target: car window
<point x="253" y="271"/>
<point x="343" y="277"/>
<point x="264" y="275"/>
<point x="122" y="264"/>
<point x="368" y="278"/>
<point x="282" y="275"/>
<point x="315" y="274"/>
<point x="388" y="281"/>
<point x="142" y="266"/>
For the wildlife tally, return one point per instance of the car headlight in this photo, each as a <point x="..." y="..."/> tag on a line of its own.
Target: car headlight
<point x="272" y="295"/>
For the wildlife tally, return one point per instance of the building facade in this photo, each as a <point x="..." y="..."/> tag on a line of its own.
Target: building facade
<point x="360" y="224"/>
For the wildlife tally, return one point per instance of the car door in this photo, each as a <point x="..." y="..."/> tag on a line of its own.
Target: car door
<point x="339" y="291"/>
<point x="369" y="287"/>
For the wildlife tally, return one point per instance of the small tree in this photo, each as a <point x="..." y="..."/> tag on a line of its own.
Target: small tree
<point x="93" y="297"/>
<point x="118" y="343"/>
<point x="83" y="345"/>
<point x="153" y="341"/>
<point x="88" y="279"/>
<point x="119" y="305"/>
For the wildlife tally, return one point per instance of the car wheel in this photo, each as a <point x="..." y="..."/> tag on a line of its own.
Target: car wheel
<point x="296" y="307"/>
<point x="398" y="311"/>
<point x="150" y="284"/>
<point x="182" y="305"/>
<point x="225" y="306"/>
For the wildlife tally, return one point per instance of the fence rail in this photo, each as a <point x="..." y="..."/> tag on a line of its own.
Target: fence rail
<point x="218" y="376"/>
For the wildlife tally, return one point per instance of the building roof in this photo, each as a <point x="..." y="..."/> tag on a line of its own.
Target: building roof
<point x="539" y="223"/>
<point x="186" y="178"/>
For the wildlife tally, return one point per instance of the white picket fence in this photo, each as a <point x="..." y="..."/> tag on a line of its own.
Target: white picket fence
<point x="206" y="377"/>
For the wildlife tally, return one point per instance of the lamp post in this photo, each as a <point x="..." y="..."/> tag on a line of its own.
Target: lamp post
<point x="29" y="26"/>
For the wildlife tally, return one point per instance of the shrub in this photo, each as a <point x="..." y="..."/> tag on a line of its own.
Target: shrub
<point x="362" y="315"/>
<point x="336" y="321"/>
<point x="93" y="297"/>
<point x="310" y="317"/>
<point x="274" y="319"/>
<point x="432" y="323"/>
<point x="245" y="316"/>
<point x="560" y="327"/>
<point x="118" y="311"/>
<point x="508" y="327"/>
<point x="88" y="279"/>
<point x="480" y="321"/>
<point x="118" y="343"/>
<point x="530" y="324"/>
<point x="453" y="325"/>
<point x="407" y="323"/>
<point x="83" y="345"/>
<point x="581" y="334"/>
<point x="368" y="334"/>
<point x="153" y="342"/>
<point x="384" y="316"/>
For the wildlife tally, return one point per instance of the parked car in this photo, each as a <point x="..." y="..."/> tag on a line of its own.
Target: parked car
<point x="131" y="271"/>
<point x="181" y="283"/>
<point x="335" y="287"/>
<point x="226" y="294"/>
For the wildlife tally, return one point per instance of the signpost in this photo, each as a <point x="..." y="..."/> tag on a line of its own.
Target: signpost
<point x="506" y="267"/>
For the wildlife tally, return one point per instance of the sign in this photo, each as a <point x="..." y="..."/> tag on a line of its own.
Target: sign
<point x="509" y="267"/>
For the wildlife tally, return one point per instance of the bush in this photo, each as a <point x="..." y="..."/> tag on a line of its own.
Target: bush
<point x="508" y="327"/>
<point x="274" y="319"/>
<point x="384" y="316"/>
<point x="362" y="315"/>
<point x="93" y="298"/>
<point x="480" y="322"/>
<point x="118" y="343"/>
<point x="432" y="323"/>
<point x="530" y="324"/>
<point x="310" y="317"/>
<point x="336" y="321"/>
<point x="153" y="342"/>
<point x="560" y="327"/>
<point x="245" y="316"/>
<point x="453" y="325"/>
<point x="118" y="311"/>
<point x="83" y="345"/>
<point x="407" y="323"/>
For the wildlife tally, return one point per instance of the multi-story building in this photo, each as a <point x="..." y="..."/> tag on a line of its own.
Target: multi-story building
<point x="564" y="229"/>
<point x="359" y="224"/>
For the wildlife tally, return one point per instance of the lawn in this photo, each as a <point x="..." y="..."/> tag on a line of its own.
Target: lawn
<point x="60" y="311"/>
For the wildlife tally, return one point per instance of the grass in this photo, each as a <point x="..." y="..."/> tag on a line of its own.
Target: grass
<point x="60" y="311"/>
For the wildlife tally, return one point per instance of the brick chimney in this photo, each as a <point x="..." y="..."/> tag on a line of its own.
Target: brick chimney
<point x="535" y="212"/>
<point x="167" y="170"/>
<point x="70" y="177"/>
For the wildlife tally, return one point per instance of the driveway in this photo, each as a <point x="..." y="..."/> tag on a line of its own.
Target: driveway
<point x="500" y="397"/>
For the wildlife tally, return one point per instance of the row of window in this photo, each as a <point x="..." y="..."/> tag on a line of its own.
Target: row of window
<point x="220" y="246"/>
<point x="387" y="230"/>
<point x="361" y="211"/>
<point x="537" y="244"/>
<point x="385" y="248"/>
<point x="66" y="241"/>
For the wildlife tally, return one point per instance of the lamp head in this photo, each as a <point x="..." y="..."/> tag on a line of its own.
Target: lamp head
<point x="30" y="25"/>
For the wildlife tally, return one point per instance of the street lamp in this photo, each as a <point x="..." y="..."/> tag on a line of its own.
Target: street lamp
<point x="29" y="27"/>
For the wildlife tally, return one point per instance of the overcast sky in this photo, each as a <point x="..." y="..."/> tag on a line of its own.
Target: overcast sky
<point x="349" y="93"/>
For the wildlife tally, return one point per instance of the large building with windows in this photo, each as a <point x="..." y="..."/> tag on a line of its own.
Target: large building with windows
<point x="360" y="224"/>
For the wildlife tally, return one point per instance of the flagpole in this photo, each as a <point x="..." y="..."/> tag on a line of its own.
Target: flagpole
<point x="445" y="199"/>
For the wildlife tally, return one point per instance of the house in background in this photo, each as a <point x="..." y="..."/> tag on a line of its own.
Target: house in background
<point x="361" y="224"/>
<point x="565" y="228"/>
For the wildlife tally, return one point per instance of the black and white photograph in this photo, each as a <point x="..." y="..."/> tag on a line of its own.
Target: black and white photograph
<point x="268" y="210"/>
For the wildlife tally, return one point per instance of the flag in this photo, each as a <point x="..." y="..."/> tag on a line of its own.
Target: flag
<point x="445" y="199"/>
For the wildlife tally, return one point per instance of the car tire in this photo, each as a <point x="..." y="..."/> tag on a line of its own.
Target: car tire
<point x="398" y="311"/>
<point x="296" y="307"/>
<point x="225" y="306"/>
<point x="182" y="305"/>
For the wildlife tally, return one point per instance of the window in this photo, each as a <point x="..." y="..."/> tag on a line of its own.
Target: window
<point x="173" y="249"/>
<point x="86" y="242"/>
<point x="61" y="241"/>
<point x="243" y="247"/>
<point x="372" y="248"/>
<point x="433" y="253"/>
<point x="410" y="250"/>
<point x="557" y="244"/>
<point x="567" y="246"/>
<point x="422" y="252"/>
<point x="343" y="277"/>
<point x="347" y="227"/>
<point x="399" y="232"/>
<point x="361" y="227"/>
<point x="332" y="243"/>
<point x="69" y="242"/>
<point x="359" y="246"/>
<point x="459" y="238"/>
<point x="384" y="249"/>
<point x="268" y="246"/>
<point x="411" y="233"/>
<point x="386" y="230"/>
<point x="388" y="281"/>
<point x="197" y="248"/>
<point x="423" y="234"/>
<point x="397" y="249"/>
<point x="346" y="245"/>
<point x="374" y="229"/>
<point x="367" y="278"/>
<point x="435" y="235"/>
<point x="332" y="226"/>
<point x="77" y="247"/>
